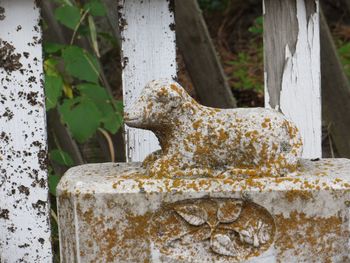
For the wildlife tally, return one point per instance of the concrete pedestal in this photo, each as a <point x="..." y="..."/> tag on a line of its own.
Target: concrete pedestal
<point x="114" y="213"/>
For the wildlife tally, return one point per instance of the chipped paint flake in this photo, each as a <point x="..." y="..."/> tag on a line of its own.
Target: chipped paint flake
<point x="300" y="93"/>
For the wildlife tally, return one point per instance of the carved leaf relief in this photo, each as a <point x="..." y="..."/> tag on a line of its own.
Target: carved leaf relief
<point x="210" y="228"/>
<point x="255" y="235"/>
<point x="223" y="245"/>
<point x="193" y="214"/>
<point x="197" y="235"/>
<point x="229" y="211"/>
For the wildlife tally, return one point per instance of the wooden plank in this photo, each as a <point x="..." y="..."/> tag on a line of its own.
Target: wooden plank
<point x="24" y="206"/>
<point x="148" y="53"/>
<point x="292" y="66"/>
<point x="335" y="92"/>
<point x="200" y="56"/>
<point x="347" y="3"/>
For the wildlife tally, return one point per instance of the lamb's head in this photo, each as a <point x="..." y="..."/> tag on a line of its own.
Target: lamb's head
<point x="157" y="104"/>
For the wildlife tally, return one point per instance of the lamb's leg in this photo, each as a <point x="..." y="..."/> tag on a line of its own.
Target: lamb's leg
<point x="170" y="167"/>
<point x="151" y="158"/>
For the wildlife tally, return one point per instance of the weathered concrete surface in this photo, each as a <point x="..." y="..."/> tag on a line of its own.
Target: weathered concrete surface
<point x="113" y="213"/>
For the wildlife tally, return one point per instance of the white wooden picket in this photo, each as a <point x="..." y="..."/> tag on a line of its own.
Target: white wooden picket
<point x="24" y="206"/>
<point x="292" y="66"/>
<point x="148" y="52"/>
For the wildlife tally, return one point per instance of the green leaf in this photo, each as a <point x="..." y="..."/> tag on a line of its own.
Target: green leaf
<point x="95" y="7"/>
<point x="118" y="105"/>
<point x="53" y="90"/>
<point x="94" y="92"/>
<point x="50" y="48"/>
<point x="111" y="116"/>
<point x="61" y="157"/>
<point x="112" y="122"/>
<point x="68" y="16"/>
<point x="93" y="35"/>
<point x="53" y="182"/>
<point x="84" y="30"/>
<point x="80" y="64"/>
<point x="344" y="49"/>
<point x="81" y="116"/>
<point x="50" y="67"/>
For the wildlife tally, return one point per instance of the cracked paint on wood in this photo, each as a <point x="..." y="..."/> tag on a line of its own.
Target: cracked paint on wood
<point x="148" y="52"/>
<point x="292" y="69"/>
<point x="24" y="207"/>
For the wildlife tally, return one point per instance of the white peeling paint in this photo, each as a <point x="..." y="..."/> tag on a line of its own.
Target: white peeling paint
<point x="300" y="98"/>
<point x="148" y="47"/>
<point x="24" y="207"/>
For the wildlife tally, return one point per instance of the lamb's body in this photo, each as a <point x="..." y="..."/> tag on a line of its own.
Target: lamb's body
<point x="198" y="140"/>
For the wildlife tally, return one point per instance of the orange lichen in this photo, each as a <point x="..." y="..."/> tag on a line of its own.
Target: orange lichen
<point x="321" y="237"/>
<point x="109" y="242"/>
<point x="292" y="195"/>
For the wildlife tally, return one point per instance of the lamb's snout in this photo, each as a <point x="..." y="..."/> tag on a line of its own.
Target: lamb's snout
<point x="132" y="117"/>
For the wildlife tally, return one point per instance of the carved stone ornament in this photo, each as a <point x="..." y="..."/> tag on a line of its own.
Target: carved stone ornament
<point x="199" y="141"/>
<point x="212" y="229"/>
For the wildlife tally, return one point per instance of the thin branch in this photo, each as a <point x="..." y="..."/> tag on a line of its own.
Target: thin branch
<point x="54" y="216"/>
<point x="78" y="25"/>
<point x="110" y="143"/>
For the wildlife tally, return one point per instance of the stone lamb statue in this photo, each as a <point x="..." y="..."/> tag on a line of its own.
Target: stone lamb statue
<point x="203" y="141"/>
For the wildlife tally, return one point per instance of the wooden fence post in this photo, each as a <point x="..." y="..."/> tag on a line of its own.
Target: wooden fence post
<point x="335" y="92"/>
<point x="24" y="206"/>
<point x="200" y="56"/>
<point x="292" y="66"/>
<point x="148" y="52"/>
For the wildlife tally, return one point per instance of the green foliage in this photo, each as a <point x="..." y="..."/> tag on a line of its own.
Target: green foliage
<point x="95" y="7"/>
<point x="344" y="53"/>
<point x="244" y="71"/>
<point x="257" y="28"/>
<point x="80" y="64"/>
<point x="68" y="16"/>
<point x="53" y="182"/>
<point x="109" y="108"/>
<point x="61" y="157"/>
<point x="213" y="5"/>
<point x="50" y="48"/>
<point x="53" y="90"/>
<point x="73" y="85"/>
<point x="72" y="75"/>
<point x="81" y="116"/>
<point x="247" y="64"/>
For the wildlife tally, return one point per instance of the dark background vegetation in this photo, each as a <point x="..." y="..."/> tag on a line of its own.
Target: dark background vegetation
<point x="83" y="71"/>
